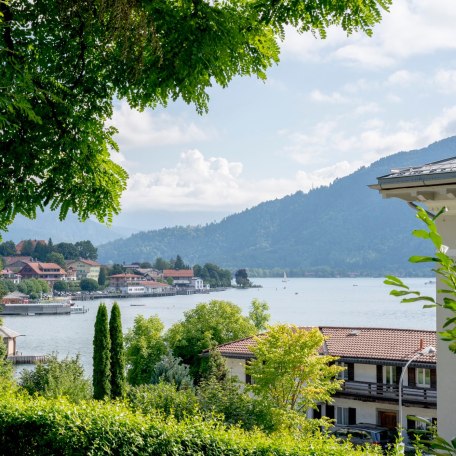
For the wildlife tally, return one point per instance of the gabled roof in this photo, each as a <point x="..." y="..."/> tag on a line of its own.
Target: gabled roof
<point x="44" y="268"/>
<point x="9" y="333"/>
<point x="151" y="284"/>
<point x="20" y="245"/>
<point x="13" y="259"/>
<point x="83" y="260"/>
<point x="125" y="276"/>
<point x="357" y="343"/>
<point x="15" y="295"/>
<point x="187" y="273"/>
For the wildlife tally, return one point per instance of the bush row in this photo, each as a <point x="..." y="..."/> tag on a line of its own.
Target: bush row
<point x="40" y="426"/>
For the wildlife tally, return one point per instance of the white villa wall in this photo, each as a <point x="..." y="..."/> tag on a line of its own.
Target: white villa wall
<point x="367" y="412"/>
<point x="446" y="365"/>
<point x="237" y="368"/>
<point x="365" y="373"/>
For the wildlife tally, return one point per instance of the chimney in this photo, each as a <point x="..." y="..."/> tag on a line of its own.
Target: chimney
<point x="421" y="344"/>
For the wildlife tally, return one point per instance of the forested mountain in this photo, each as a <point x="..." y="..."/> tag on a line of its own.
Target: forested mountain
<point x="342" y="229"/>
<point x="47" y="225"/>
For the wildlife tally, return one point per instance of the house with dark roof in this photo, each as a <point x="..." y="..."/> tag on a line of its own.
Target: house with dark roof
<point x="374" y="359"/>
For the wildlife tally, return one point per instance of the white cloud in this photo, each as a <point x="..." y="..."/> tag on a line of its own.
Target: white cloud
<point x="446" y="80"/>
<point x="402" y="78"/>
<point x="214" y="183"/>
<point x="321" y="97"/>
<point x="147" y="128"/>
<point x="412" y="27"/>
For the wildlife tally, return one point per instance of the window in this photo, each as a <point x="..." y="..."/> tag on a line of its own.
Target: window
<point x="343" y="374"/>
<point x="390" y="375"/>
<point x="423" y="377"/>
<point x="342" y="415"/>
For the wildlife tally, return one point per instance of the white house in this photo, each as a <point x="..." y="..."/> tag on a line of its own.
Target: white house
<point x="433" y="185"/>
<point x="374" y="359"/>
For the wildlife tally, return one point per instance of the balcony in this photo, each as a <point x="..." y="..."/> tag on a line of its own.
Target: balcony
<point x="389" y="393"/>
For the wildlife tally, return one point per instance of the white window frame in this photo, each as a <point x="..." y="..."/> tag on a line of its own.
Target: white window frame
<point x="342" y="415"/>
<point x="343" y="375"/>
<point x="423" y="377"/>
<point x="390" y="373"/>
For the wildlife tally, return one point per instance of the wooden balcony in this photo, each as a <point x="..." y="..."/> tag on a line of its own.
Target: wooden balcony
<point x="382" y="392"/>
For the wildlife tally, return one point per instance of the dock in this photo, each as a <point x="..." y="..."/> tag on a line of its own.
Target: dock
<point x="35" y="309"/>
<point x="27" y="359"/>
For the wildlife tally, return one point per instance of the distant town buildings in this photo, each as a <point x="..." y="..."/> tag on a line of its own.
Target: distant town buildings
<point x="85" y="269"/>
<point x="50" y="272"/>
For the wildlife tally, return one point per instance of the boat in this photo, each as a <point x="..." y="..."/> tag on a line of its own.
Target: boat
<point x="284" y="277"/>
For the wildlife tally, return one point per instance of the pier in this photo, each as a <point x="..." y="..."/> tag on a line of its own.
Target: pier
<point x="27" y="359"/>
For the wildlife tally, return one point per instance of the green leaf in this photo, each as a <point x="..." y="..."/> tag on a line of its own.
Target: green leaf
<point x="403" y="293"/>
<point x="395" y="281"/>
<point x="423" y="259"/>
<point x="421" y="234"/>
<point x="419" y="298"/>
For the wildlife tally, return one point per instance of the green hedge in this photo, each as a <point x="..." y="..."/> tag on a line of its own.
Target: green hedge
<point x="39" y="426"/>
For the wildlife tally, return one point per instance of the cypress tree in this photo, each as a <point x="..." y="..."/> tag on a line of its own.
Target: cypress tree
<point x="101" y="355"/>
<point x="117" y="353"/>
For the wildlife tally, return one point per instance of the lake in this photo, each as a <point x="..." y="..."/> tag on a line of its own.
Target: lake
<point x="302" y="301"/>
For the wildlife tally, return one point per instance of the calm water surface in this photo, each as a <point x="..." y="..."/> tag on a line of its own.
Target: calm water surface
<point x="324" y="302"/>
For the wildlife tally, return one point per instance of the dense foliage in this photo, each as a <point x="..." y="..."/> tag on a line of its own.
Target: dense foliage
<point x="56" y="378"/>
<point x="301" y="233"/>
<point x="204" y="327"/>
<point x="101" y="378"/>
<point x="117" y="357"/>
<point x="44" y="427"/>
<point x="170" y="369"/>
<point x="34" y="288"/>
<point x="144" y="347"/>
<point x="50" y="252"/>
<point x="63" y="63"/>
<point x="289" y="371"/>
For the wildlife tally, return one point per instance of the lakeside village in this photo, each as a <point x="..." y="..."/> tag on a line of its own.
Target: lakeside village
<point x="29" y="286"/>
<point x="378" y="382"/>
<point x="372" y="359"/>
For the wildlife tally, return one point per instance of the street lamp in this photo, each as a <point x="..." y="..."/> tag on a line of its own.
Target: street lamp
<point x="429" y="350"/>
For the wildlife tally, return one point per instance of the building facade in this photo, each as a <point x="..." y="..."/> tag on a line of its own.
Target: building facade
<point x="50" y="272"/>
<point x="85" y="269"/>
<point x="373" y="359"/>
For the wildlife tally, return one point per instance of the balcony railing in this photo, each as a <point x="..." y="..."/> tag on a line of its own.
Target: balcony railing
<point x="384" y="391"/>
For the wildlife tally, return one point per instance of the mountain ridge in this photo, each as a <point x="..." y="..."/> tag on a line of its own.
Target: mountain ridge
<point x="344" y="228"/>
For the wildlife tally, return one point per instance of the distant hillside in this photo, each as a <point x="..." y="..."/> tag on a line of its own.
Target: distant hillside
<point x="341" y="229"/>
<point x="47" y="225"/>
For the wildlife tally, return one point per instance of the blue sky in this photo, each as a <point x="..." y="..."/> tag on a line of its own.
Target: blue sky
<point x="329" y="107"/>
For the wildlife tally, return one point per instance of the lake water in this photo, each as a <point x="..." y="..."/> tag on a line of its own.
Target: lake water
<point x="302" y="301"/>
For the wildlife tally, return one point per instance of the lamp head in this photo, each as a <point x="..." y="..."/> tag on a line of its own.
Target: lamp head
<point x="429" y="351"/>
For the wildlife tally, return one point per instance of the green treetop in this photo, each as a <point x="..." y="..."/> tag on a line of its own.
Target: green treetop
<point x="289" y="371"/>
<point x="64" y="63"/>
<point x="205" y="326"/>
<point x="101" y="355"/>
<point x="117" y="353"/>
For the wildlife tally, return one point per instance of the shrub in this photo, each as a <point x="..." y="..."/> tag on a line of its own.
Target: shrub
<point x="58" y="378"/>
<point x="39" y="426"/>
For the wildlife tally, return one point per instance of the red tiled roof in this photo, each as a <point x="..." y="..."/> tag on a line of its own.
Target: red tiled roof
<point x="178" y="273"/>
<point x="361" y="343"/>
<point x="82" y="260"/>
<point x="20" y="246"/>
<point x="12" y="259"/>
<point x="43" y="268"/>
<point x="151" y="284"/>
<point x="125" y="276"/>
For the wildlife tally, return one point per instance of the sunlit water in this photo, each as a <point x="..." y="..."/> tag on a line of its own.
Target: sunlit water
<point x="324" y="302"/>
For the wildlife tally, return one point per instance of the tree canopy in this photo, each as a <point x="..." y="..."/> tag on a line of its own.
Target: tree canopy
<point x="289" y="371"/>
<point x="64" y="63"/>
<point x="205" y="326"/>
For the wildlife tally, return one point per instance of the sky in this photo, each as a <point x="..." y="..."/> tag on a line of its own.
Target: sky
<point x="329" y="107"/>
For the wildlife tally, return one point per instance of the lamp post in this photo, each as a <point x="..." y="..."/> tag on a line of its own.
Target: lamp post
<point x="429" y="350"/>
